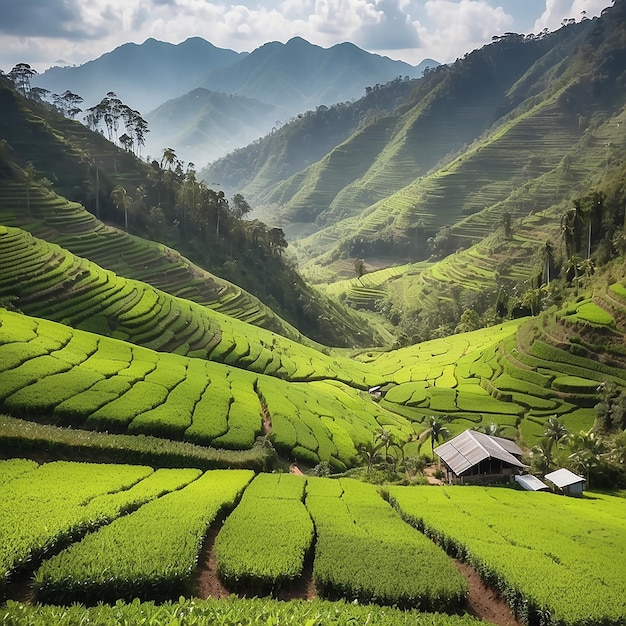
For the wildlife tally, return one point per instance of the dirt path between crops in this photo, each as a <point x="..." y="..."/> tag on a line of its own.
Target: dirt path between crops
<point x="484" y="602"/>
<point x="208" y="584"/>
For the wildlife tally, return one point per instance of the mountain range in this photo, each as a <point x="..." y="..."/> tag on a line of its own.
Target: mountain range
<point x="243" y="95"/>
<point x="515" y="127"/>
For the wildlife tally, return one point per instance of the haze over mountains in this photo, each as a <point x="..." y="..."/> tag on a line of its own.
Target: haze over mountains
<point x="203" y="101"/>
<point x="487" y="135"/>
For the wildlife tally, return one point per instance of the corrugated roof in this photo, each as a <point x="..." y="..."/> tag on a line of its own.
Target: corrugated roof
<point x="530" y="483"/>
<point x="471" y="447"/>
<point x="564" y="478"/>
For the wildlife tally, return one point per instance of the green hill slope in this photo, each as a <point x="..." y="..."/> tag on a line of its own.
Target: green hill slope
<point x="448" y="109"/>
<point x="50" y="217"/>
<point x="162" y="204"/>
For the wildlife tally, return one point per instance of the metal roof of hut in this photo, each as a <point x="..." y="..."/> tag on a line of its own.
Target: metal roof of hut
<point x="471" y="447"/>
<point x="530" y="482"/>
<point x="564" y="478"/>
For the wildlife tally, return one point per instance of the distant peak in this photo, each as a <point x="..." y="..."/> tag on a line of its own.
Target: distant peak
<point x="196" y="41"/>
<point x="298" y="41"/>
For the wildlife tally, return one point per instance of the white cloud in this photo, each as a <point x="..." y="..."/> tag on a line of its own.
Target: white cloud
<point x="458" y="27"/>
<point x="558" y="10"/>
<point x="41" y="31"/>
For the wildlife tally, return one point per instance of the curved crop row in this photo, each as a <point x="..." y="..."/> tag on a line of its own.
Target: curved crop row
<point x="365" y="552"/>
<point x="542" y="553"/>
<point x="47" y="507"/>
<point x="50" y="372"/>
<point x="149" y="554"/>
<point x="247" y="559"/>
<point x="45" y="280"/>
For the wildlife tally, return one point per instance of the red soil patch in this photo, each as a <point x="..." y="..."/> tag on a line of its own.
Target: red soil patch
<point x="208" y="584"/>
<point x="483" y="601"/>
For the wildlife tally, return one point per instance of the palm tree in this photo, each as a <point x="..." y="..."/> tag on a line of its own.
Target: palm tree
<point x="368" y="452"/>
<point x="542" y="455"/>
<point x="359" y="269"/>
<point x="169" y="158"/>
<point x="575" y="264"/>
<point x="555" y="431"/>
<point x="435" y="431"/>
<point x="572" y="225"/>
<point x="122" y="201"/>
<point x="594" y="217"/>
<point x="547" y="255"/>
<point x="587" y="449"/>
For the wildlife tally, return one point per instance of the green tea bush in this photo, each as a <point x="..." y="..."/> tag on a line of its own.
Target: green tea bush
<point x="149" y="554"/>
<point x="543" y="553"/>
<point x="46" y="393"/>
<point x="12" y="468"/>
<point x="116" y="415"/>
<point x="271" y="507"/>
<point x="28" y="437"/>
<point x="28" y="373"/>
<point x="210" y="415"/>
<point x="227" y="612"/>
<point x="42" y="509"/>
<point x="365" y="552"/>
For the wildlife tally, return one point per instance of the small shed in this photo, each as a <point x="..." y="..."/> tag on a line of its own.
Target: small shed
<point x="474" y="457"/>
<point x="566" y="482"/>
<point x="530" y="482"/>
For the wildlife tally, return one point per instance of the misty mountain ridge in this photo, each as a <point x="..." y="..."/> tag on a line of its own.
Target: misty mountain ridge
<point x="143" y="75"/>
<point x="531" y="112"/>
<point x="203" y="124"/>
<point x="292" y="77"/>
<point x="299" y="75"/>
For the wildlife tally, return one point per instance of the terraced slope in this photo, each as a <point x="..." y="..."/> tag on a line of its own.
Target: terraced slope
<point x="64" y="149"/>
<point x="68" y="224"/>
<point x="44" y="280"/>
<point x="53" y="373"/>
<point x="448" y="110"/>
<point x="308" y="195"/>
<point x="514" y="378"/>
<point x="553" y="365"/>
<point x="506" y="172"/>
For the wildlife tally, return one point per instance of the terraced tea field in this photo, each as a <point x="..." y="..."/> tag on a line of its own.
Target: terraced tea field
<point x="543" y="553"/>
<point x="93" y="532"/>
<point x="68" y="224"/>
<point x="55" y="374"/>
<point x="315" y="406"/>
<point x="47" y="281"/>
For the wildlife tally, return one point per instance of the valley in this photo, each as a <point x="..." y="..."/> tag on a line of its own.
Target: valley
<point x="262" y="370"/>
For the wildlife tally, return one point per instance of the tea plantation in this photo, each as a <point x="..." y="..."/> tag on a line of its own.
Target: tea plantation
<point x="93" y="532"/>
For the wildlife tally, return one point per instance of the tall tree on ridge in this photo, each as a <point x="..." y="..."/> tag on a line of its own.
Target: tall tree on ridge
<point x="435" y="431"/>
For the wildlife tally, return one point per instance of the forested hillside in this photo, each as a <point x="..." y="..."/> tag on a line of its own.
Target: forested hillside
<point x="162" y="201"/>
<point x="473" y="172"/>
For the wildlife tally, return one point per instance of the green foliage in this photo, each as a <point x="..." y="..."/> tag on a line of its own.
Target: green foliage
<point x="149" y="554"/>
<point x="43" y="509"/>
<point x="228" y="612"/>
<point x="365" y="552"/>
<point x="518" y="541"/>
<point x="271" y="507"/>
<point x="28" y="437"/>
<point x="12" y="468"/>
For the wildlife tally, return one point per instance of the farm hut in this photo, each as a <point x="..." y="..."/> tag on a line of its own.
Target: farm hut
<point x="566" y="482"/>
<point x="474" y="457"/>
<point x="530" y="482"/>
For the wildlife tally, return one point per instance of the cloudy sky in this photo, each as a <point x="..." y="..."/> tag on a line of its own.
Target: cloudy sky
<point x="42" y="32"/>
